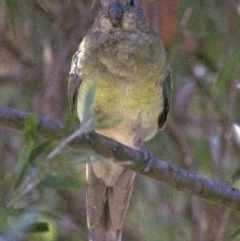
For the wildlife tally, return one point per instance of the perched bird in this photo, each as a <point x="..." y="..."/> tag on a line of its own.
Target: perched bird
<point x="125" y="62"/>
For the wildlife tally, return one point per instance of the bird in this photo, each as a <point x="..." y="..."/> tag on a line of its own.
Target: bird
<point x="126" y="64"/>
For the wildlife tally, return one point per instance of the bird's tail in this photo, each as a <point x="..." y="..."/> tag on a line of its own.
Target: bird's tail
<point x="107" y="204"/>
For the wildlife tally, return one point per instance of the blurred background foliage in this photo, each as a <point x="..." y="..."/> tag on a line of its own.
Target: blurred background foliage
<point x="42" y="199"/>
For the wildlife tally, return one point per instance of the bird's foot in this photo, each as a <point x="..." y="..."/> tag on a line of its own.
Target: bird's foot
<point x="147" y="155"/>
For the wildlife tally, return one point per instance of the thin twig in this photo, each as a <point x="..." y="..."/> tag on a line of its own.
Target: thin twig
<point x="180" y="179"/>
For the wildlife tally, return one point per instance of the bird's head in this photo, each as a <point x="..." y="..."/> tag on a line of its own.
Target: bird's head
<point x="124" y="15"/>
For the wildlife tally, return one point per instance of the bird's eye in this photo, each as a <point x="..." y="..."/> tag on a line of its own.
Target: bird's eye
<point x="131" y="3"/>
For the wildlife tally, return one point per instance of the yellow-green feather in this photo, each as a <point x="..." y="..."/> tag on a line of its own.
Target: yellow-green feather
<point x="125" y="88"/>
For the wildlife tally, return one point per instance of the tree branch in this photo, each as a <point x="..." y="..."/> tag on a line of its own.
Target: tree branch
<point x="180" y="179"/>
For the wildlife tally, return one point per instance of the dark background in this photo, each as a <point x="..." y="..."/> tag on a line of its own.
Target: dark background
<point x="202" y="38"/>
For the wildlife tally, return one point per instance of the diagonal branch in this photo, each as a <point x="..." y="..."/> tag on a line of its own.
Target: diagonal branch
<point x="180" y="179"/>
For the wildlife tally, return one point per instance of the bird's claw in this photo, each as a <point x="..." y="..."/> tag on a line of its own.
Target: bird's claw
<point x="147" y="155"/>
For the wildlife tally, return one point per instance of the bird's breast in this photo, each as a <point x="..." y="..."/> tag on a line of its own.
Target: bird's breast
<point x="127" y="78"/>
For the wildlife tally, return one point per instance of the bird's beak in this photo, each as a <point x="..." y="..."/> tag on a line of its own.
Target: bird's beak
<point x="115" y="13"/>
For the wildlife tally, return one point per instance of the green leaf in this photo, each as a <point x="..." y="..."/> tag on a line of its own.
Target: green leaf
<point x="30" y="130"/>
<point x="38" y="227"/>
<point x="44" y="146"/>
<point x="12" y="7"/>
<point x="109" y="123"/>
<point x="60" y="182"/>
<point x="228" y="71"/>
<point x="70" y="124"/>
<point x="78" y="154"/>
<point x="23" y="163"/>
<point x="88" y="104"/>
<point x="236" y="176"/>
<point x="27" y="155"/>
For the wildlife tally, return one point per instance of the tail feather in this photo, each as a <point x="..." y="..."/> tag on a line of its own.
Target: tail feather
<point x="107" y="205"/>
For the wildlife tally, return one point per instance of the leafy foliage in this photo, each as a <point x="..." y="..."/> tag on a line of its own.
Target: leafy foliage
<point x="31" y="177"/>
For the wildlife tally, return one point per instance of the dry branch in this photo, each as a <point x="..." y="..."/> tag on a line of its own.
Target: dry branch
<point x="180" y="179"/>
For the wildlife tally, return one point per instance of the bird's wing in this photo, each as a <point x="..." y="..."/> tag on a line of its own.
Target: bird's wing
<point x="167" y="96"/>
<point x="74" y="82"/>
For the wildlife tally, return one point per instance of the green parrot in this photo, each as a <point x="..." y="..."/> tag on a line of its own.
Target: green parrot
<point x="125" y="62"/>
